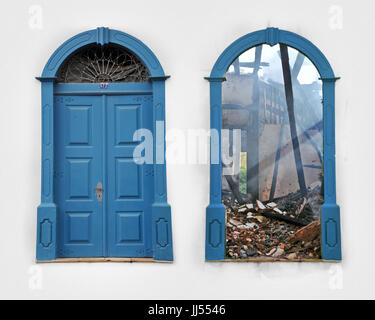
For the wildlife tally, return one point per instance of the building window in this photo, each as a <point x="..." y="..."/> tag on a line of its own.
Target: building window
<point x="97" y="64"/>
<point x="272" y="179"/>
<point x="272" y="171"/>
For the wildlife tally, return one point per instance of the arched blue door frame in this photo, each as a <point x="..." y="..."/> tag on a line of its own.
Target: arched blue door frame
<point x="330" y="216"/>
<point x="47" y="210"/>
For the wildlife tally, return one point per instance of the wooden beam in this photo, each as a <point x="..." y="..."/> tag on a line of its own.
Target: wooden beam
<point x="297" y="66"/>
<point x="292" y="121"/>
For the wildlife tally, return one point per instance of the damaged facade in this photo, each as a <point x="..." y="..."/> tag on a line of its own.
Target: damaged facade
<point x="274" y="96"/>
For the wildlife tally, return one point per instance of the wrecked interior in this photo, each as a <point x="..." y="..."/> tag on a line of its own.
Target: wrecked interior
<point x="272" y="155"/>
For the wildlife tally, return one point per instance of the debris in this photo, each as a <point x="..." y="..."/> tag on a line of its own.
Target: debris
<point x="271" y="252"/>
<point x="235" y="222"/>
<point x="259" y="218"/>
<point x="307" y="233"/>
<point x="252" y="225"/>
<point x="242" y="226"/>
<point x="282" y="217"/>
<point x="249" y="215"/>
<point x="250" y="206"/>
<point x="300" y="209"/>
<point x="242" y="210"/>
<point x="279" y="252"/>
<point x="271" y="205"/>
<point x="286" y="228"/>
<point x="251" y="252"/>
<point x="260" y="205"/>
<point x="292" y="256"/>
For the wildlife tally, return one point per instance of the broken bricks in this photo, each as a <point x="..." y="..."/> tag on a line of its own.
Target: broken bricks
<point x="281" y="229"/>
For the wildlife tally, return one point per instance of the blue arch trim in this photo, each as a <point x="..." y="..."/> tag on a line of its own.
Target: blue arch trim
<point x="47" y="210"/>
<point x="272" y="36"/>
<point x="103" y="36"/>
<point x="215" y="213"/>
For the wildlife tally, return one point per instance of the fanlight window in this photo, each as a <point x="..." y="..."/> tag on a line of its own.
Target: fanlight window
<point x="100" y="64"/>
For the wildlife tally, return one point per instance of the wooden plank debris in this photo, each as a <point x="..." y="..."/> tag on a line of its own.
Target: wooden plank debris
<point x="308" y="233"/>
<point x="281" y="217"/>
<point x="292" y="120"/>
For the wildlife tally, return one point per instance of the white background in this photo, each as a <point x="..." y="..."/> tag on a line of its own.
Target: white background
<point x="187" y="37"/>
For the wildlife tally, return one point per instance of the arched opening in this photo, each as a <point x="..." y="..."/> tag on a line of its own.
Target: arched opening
<point x="99" y="89"/>
<point x="272" y="92"/>
<point x="272" y="181"/>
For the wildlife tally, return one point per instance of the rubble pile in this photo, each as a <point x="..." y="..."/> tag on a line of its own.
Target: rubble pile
<point x="286" y="228"/>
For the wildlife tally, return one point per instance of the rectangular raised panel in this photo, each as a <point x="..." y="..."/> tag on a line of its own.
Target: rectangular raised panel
<point x="127" y="178"/>
<point x="129" y="226"/>
<point x="79" y="178"/>
<point x="127" y="123"/>
<point x="79" y="227"/>
<point x="79" y="125"/>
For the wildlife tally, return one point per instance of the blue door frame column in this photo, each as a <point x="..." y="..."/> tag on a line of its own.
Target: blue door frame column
<point x="47" y="210"/>
<point x="330" y="215"/>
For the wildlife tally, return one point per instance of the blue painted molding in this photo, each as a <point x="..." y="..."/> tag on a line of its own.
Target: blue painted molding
<point x="113" y="88"/>
<point x="46" y="79"/>
<point x="161" y="210"/>
<point x="47" y="210"/>
<point x="166" y="77"/>
<point x="270" y="36"/>
<point x="210" y="79"/>
<point x="103" y="36"/>
<point x="330" y="216"/>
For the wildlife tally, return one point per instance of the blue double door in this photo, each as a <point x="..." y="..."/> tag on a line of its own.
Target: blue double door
<point x="103" y="196"/>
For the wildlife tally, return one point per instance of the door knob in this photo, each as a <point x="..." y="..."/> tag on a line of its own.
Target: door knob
<point x="99" y="191"/>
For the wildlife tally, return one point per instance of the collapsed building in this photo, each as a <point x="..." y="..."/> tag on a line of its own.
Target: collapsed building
<point x="277" y="155"/>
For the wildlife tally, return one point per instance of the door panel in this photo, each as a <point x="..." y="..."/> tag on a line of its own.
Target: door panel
<point x="79" y="167"/>
<point x="130" y="189"/>
<point x="94" y="143"/>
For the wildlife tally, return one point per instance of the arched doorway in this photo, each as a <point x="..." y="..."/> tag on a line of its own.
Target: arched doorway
<point x="276" y="90"/>
<point x="98" y="90"/>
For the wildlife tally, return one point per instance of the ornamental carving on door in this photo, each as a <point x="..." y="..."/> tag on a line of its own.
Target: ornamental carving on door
<point x="101" y="64"/>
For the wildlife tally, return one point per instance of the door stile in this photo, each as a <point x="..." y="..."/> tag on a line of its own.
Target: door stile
<point x="105" y="175"/>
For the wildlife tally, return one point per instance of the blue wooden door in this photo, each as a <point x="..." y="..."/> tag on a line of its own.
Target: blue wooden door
<point x="103" y="197"/>
<point x="129" y="184"/>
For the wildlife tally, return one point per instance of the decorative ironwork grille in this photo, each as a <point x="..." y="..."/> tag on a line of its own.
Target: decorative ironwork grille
<point x="101" y="64"/>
